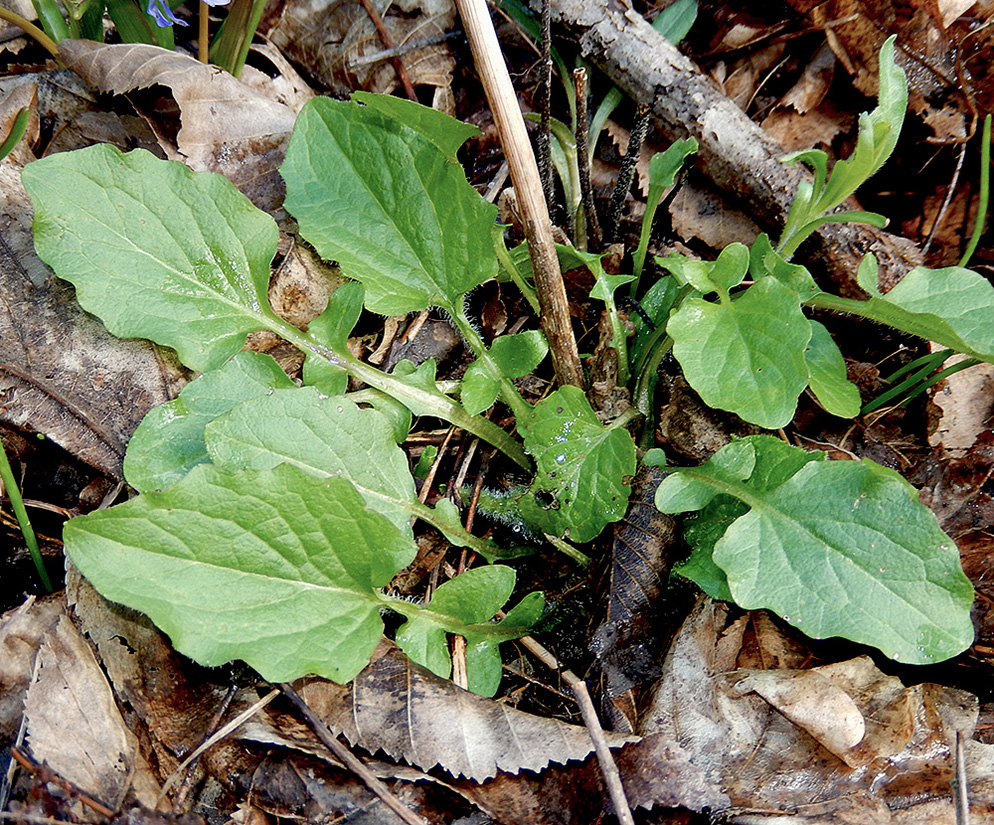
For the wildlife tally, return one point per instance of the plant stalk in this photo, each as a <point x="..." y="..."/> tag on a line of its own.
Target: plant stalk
<point x="555" y="319"/>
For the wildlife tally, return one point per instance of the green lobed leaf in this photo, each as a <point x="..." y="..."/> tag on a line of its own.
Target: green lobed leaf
<point x="471" y="598"/>
<point x="331" y="330"/>
<point x="765" y="469"/>
<point x="745" y="356"/>
<point x="581" y="467"/>
<point x="829" y="381"/>
<point x="447" y="133"/>
<point x="155" y="250"/>
<point x="169" y="441"/>
<point x="515" y="356"/>
<point x="843" y="548"/>
<point x="388" y="205"/>
<point x="479" y="389"/>
<point x="276" y="568"/>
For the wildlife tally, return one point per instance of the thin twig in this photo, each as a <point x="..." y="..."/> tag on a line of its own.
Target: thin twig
<point x="583" y="156"/>
<point x="609" y="768"/>
<point x="387" y="41"/>
<point x="46" y="774"/>
<point x="950" y="191"/>
<point x="347" y="758"/>
<point x="544" y="138"/>
<point x="627" y="171"/>
<point x="960" y="790"/>
<point x="403" y="49"/>
<point x="510" y="124"/>
<point x="213" y="739"/>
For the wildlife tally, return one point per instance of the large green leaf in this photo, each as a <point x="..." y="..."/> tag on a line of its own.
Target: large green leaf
<point x="747" y="355"/>
<point x="277" y="568"/>
<point x="169" y="442"/>
<point x="330" y="437"/>
<point x="838" y="548"/>
<point x="324" y="437"/>
<point x="155" y="250"/>
<point x="581" y="468"/>
<point x="386" y="202"/>
<point x="441" y="129"/>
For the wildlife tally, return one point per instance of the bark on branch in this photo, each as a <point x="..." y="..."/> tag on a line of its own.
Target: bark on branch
<point x="735" y="153"/>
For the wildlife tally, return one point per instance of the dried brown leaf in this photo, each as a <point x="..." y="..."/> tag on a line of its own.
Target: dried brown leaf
<point x="21" y="632"/>
<point x="73" y="723"/>
<point x="227" y="126"/>
<point x="409" y="713"/>
<point x="775" y="754"/>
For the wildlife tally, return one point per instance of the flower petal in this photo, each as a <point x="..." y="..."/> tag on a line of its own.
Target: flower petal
<point x="162" y="14"/>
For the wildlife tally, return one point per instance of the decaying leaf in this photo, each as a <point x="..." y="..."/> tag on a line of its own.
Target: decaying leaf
<point x="826" y="745"/>
<point x="400" y="708"/>
<point x="21" y="632"/>
<point x="227" y="126"/>
<point x="73" y="723"/>
<point x="61" y="373"/>
<point x="335" y="39"/>
<point x="631" y="642"/>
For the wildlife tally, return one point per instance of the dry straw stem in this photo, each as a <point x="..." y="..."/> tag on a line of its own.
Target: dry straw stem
<point x="528" y="186"/>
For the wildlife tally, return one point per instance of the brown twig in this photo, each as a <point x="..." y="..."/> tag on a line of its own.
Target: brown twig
<point x="543" y="140"/>
<point x="510" y="124"/>
<point x="609" y="768"/>
<point x="387" y="41"/>
<point x="346" y="757"/>
<point x="46" y="774"/>
<point x="583" y="156"/>
<point x="960" y="789"/>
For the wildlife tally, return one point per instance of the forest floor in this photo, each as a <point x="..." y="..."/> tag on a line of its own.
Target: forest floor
<point x="712" y="711"/>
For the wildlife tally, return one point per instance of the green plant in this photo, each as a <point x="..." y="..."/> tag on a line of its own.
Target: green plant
<point x="270" y="512"/>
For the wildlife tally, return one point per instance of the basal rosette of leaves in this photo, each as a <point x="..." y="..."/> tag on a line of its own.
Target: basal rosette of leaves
<point x="242" y="434"/>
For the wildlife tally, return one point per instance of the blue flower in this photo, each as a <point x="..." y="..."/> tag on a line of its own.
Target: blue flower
<point x="162" y="14"/>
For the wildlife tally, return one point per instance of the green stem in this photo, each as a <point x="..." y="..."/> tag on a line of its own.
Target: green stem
<point x="415" y="399"/>
<point x="449" y="623"/>
<point x="985" y="183"/>
<point x="17" y="503"/>
<point x="31" y="29"/>
<point x="883" y="312"/>
<point x="504" y="257"/>
<point x="509" y="393"/>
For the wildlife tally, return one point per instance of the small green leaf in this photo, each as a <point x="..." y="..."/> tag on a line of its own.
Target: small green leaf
<point x="745" y="356"/>
<point x="447" y="133"/>
<point x="581" y="467"/>
<point x="833" y="389"/>
<point x="682" y="492"/>
<point x="388" y="205"/>
<point x="169" y="442"/>
<point x="276" y="568"/>
<point x="517" y="355"/>
<point x="479" y="390"/>
<point x="333" y="327"/>
<point x="842" y="548"/>
<point x="155" y="250"/>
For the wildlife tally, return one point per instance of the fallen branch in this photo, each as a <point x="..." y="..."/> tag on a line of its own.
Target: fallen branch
<point x="734" y="152"/>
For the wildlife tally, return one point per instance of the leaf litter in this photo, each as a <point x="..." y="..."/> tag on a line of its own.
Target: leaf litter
<point x="720" y="732"/>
